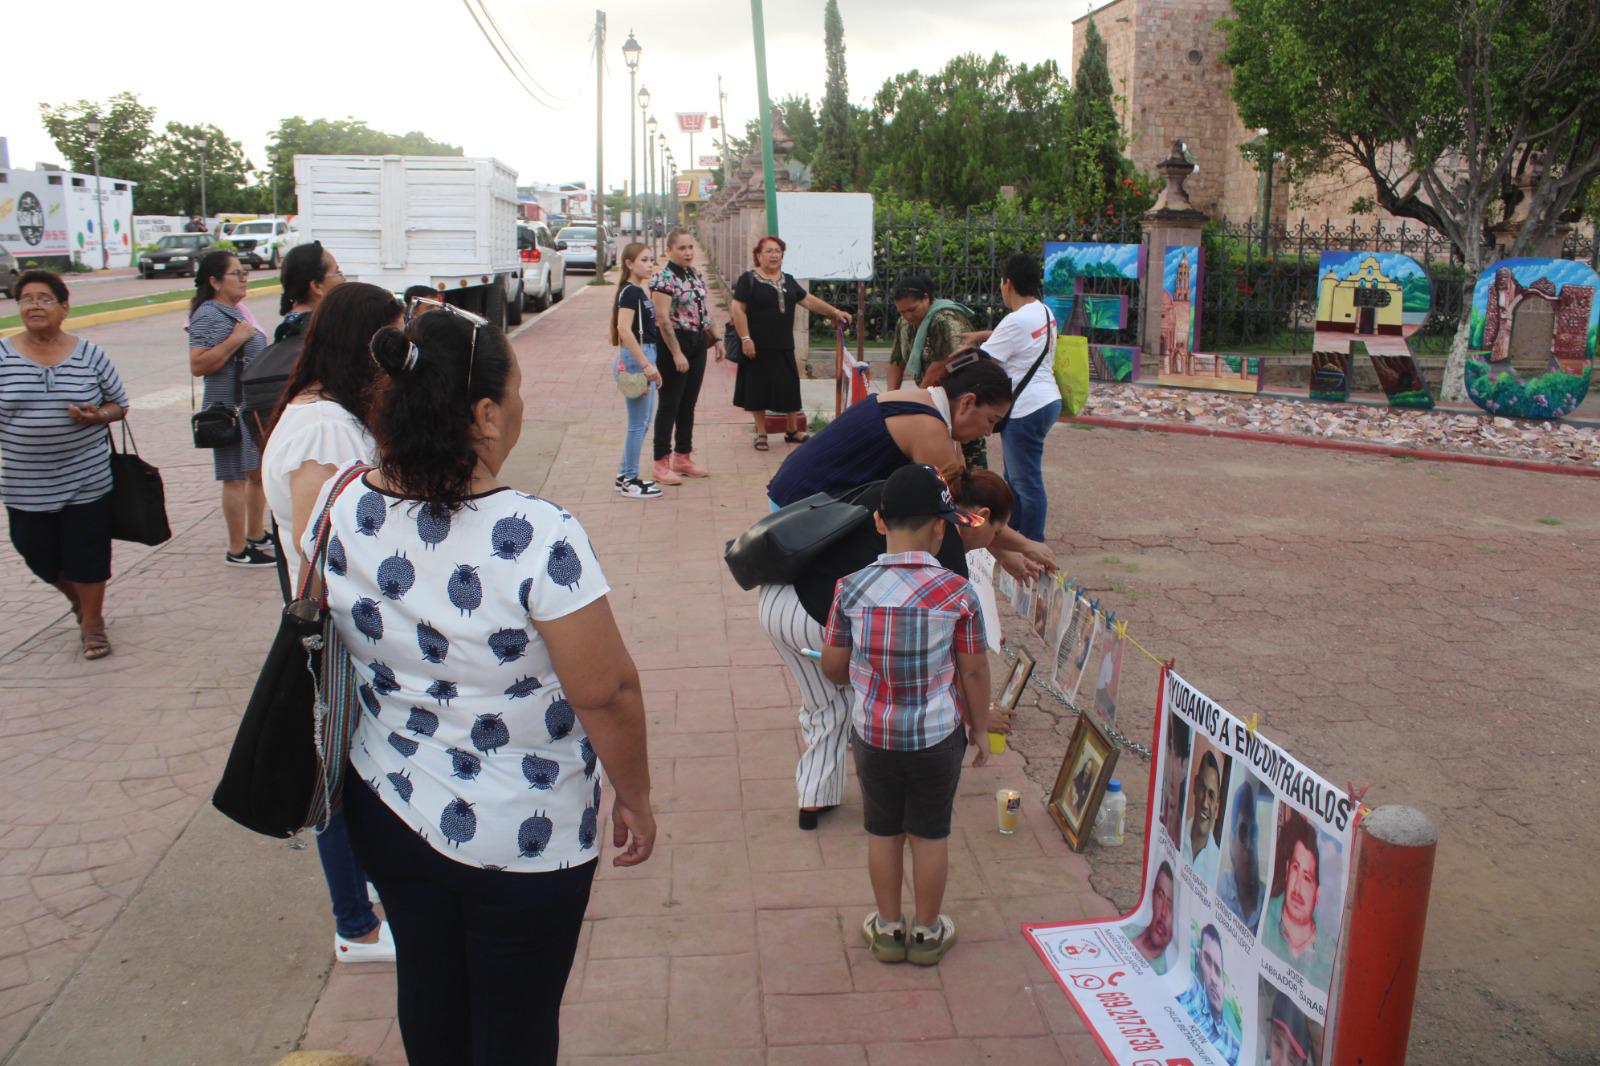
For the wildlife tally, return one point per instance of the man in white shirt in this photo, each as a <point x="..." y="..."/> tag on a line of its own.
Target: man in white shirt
<point x="1201" y="849"/>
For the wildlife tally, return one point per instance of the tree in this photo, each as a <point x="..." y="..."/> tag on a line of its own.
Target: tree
<point x="297" y="136"/>
<point x="955" y="137"/>
<point x="125" y="131"/>
<point x="172" y="181"/>
<point x="1443" y="110"/>
<point x="1097" y="167"/>
<point x="837" y="157"/>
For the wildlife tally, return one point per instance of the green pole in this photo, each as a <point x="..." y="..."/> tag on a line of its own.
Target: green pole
<point x="767" y="166"/>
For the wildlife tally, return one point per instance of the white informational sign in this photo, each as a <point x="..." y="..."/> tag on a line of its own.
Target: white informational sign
<point x="84" y="219"/>
<point x="147" y="229"/>
<point x="829" y="235"/>
<point x="1230" y="954"/>
<point x="33" y="214"/>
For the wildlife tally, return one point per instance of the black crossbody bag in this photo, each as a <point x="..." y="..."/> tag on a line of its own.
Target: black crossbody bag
<point x="1026" y="378"/>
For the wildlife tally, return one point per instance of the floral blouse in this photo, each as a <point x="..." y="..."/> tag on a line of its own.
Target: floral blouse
<point x="691" y="312"/>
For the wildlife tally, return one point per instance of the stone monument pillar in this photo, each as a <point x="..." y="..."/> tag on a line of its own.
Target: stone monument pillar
<point x="1172" y="222"/>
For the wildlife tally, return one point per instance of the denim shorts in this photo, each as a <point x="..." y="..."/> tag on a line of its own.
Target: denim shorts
<point x="909" y="792"/>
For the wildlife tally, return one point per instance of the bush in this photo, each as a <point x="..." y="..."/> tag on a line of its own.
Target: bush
<point x="1550" y="395"/>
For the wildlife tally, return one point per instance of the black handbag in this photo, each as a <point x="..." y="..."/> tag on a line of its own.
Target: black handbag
<point x="138" y="497"/>
<point x="218" y="425"/>
<point x="286" y="768"/>
<point x="779" y="547"/>
<point x="732" y="348"/>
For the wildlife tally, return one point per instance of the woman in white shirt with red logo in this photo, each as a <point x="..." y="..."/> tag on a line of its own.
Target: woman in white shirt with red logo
<point x="1024" y="343"/>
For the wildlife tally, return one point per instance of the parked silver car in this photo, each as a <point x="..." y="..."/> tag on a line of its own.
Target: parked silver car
<point x="580" y="241"/>
<point x="544" y="266"/>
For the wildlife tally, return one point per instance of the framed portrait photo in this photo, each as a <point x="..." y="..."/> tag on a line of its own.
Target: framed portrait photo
<point x="1081" y="783"/>
<point x="1016" y="681"/>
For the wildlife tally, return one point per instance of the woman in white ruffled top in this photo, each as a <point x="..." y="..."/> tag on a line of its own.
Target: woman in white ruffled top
<point x="320" y="428"/>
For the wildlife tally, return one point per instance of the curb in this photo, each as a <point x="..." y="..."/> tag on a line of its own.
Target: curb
<point x="127" y="314"/>
<point x="1360" y="448"/>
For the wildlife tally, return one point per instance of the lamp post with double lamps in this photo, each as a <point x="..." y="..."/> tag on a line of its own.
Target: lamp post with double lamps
<point x="630" y="55"/>
<point x="93" y="126"/>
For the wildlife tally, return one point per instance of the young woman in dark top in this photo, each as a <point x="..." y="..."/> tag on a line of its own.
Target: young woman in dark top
<point x="634" y="332"/>
<point x="794" y="617"/>
<point x="764" y="301"/>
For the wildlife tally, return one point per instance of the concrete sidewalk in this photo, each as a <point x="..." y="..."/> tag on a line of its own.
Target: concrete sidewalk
<point x="739" y="941"/>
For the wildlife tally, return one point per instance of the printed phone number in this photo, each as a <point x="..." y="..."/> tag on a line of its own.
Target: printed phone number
<point x="1129" y="1022"/>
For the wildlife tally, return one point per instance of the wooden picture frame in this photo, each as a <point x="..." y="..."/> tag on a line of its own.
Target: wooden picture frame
<point x="1016" y="681"/>
<point x="1081" y="783"/>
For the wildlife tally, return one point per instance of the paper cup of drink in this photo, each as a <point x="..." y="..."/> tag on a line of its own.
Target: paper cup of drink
<point x="997" y="743"/>
<point x="1008" y="807"/>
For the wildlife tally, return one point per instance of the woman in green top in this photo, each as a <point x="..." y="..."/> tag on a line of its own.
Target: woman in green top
<point x="929" y="331"/>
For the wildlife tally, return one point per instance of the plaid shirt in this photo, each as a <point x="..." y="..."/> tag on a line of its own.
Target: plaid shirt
<point x="905" y="616"/>
<point x="690" y="311"/>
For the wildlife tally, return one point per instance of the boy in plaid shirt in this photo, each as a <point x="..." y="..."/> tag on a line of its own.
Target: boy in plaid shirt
<point x="908" y="636"/>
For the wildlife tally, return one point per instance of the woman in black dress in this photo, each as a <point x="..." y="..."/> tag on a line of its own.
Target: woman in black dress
<point x="764" y="300"/>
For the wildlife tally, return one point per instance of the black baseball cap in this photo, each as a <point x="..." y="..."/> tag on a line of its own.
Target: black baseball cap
<point x="917" y="491"/>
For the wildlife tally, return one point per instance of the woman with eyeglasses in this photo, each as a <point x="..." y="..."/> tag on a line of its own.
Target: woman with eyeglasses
<point x="57" y="394"/>
<point x="222" y="343"/>
<point x="795" y="616"/>
<point x="495" y="686"/>
<point x="318" y="427"/>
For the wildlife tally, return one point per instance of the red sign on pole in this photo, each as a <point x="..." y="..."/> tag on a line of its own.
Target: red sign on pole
<point x="691" y="122"/>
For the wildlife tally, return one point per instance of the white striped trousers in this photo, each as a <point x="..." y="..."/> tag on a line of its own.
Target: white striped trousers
<point x="824" y="706"/>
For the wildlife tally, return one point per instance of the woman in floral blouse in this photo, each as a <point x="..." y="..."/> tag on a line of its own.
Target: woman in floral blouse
<point x="679" y="293"/>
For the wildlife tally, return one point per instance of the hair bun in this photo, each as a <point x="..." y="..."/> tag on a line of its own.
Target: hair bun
<point x="392" y="351"/>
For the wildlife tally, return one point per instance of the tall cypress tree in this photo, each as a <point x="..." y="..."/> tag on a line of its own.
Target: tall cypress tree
<point x="836" y="162"/>
<point x="1092" y="114"/>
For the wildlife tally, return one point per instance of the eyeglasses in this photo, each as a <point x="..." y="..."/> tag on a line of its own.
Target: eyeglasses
<point x="240" y="274"/>
<point x="37" y="301"/>
<point x="421" y="305"/>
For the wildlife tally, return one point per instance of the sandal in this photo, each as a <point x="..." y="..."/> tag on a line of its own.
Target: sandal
<point x="761" y="443"/>
<point x="96" y="645"/>
<point x="799" y="436"/>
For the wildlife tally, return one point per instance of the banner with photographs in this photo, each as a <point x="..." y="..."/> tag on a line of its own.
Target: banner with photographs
<point x="1229" y="956"/>
<point x="1083" y="645"/>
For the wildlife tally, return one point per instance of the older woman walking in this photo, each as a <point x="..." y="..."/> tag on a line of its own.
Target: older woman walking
<point x="222" y="342"/>
<point x="764" y="302"/>
<point x="57" y="393"/>
<point x="495" y="684"/>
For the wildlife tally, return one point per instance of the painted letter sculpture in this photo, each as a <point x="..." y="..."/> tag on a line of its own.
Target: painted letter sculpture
<point x="1533" y="313"/>
<point x="1377" y="299"/>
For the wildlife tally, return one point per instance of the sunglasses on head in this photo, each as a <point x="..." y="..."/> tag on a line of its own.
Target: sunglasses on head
<point x="964" y="360"/>
<point x="421" y="305"/>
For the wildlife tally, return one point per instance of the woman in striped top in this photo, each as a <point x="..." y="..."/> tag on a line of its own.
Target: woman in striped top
<point x="57" y="394"/>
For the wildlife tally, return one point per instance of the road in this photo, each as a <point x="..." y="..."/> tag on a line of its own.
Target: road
<point x="93" y="289"/>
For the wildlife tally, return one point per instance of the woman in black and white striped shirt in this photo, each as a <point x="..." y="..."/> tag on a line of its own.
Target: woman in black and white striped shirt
<point x="57" y="394"/>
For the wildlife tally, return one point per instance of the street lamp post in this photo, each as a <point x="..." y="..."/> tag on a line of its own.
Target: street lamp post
<point x="630" y="55"/>
<point x="662" y="190"/>
<point x="652" y="190"/>
<point x="644" y="164"/>
<point x="99" y="207"/>
<point x="203" y="212"/>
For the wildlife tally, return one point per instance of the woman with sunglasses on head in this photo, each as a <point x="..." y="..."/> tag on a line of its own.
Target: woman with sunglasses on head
<point x="58" y="392"/>
<point x="222" y="343"/>
<point x="495" y="687"/>
<point x="635" y="334"/>
<point x="764" y="302"/>
<point x="684" y="312"/>
<point x="319" y="427"/>
<point x="795" y="616"/>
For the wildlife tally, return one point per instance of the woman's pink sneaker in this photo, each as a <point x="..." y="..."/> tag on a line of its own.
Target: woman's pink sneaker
<point x="664" y="475"/>
<point x="684" y="464"/>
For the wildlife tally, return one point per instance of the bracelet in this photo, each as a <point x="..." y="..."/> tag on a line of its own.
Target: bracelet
<point x="744" y="338"/>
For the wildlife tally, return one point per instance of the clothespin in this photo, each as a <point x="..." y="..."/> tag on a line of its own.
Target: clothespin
<point x="1122" y="629"/>
<point x="1094" y="607"/>
<point x="1357" y="794"/>
<point x="1170" y="664"/>
<point x="1251" y="723"/>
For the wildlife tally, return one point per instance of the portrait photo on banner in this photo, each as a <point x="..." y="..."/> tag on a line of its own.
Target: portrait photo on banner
<point x="1201" y="838"/>
<point x="1075" y="648"/>
<point x="1305" y="903"/>
<point x="1246" y="836"/>
<point x="1218" y="979"/>
<point x="1175" y="743"/>
<point x="1106" y="672"/>
<point x="1045" y="593"/>
<point x="1156" y="940"/>
<point x="1284" y="1035"/>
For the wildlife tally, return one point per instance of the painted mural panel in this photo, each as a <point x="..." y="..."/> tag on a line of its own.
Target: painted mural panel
<point x="1537" y="317"/>
<point x="1181" y="365"/>
<point x="1067" y="265"/>
<point x="1377" y="300"/>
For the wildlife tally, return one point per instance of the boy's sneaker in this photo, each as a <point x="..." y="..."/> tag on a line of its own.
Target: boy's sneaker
<point x="634" y="489"/>
<point x="886" y="941"/>
<point x="929" y="943"/>
<point x="251" y="556"/>
<point x="263" y="544"/>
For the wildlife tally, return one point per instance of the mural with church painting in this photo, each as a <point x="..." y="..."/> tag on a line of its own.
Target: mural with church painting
<point x="1376" y="300"/>
<point x="1181" y="365"/>
<point x="1090" y="286"/>
<point x="1533" y="329"/>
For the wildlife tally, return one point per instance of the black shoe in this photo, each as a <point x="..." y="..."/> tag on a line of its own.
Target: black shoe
<point x="263" y="544"/>
<point x="252" y="556"/>
<point x="808" y="819"/>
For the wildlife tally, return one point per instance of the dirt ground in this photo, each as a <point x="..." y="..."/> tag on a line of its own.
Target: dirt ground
<point x="1424" y="628"/>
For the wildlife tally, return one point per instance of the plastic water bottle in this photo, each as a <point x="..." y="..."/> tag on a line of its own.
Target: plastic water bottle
<point x="1113" y="811"/>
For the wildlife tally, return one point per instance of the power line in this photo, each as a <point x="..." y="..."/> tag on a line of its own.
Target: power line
<point x="484" y="7"/>
<point x="503" y="61"/>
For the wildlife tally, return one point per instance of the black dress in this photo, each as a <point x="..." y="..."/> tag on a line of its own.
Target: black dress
<point x="771" y="380"/>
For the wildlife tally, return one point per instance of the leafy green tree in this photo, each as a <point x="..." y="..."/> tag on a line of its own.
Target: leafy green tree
<point x="956" y="136"/>
<point x="1097" y="167"/>
<point x="172" y="181"/>
<point x="321" y="136"/>
<point x="125" y="133"/>
<point x="1444" y="109"/>
<point x="835" y="167"/>
<point x="800" y="123"/>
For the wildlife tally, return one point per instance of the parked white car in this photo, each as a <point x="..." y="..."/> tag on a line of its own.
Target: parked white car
<point x="544" y="265"/>
<point x="263" y="241"/>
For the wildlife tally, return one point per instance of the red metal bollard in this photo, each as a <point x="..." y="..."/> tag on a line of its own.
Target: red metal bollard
<point x="1383" y="937"/>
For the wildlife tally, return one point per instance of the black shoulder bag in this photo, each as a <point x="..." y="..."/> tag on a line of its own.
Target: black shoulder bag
<point x="218" y="425"/>
<point x="138" y="497"/>
<point x="779" y="547"/>
<point x="1028" y="377"/>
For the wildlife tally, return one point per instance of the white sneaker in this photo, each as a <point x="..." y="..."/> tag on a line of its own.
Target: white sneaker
<point x="380" y="950"/>
<point x="634" y="489"/>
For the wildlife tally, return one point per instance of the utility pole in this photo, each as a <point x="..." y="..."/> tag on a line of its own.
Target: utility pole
<point x="99" y="207"/>
<point x="767" y="165"/>
<point x="630" y="55"/>
<point x="722" y="117"/>
<point x="601" y="258"/>
<point x="203" y="213"/>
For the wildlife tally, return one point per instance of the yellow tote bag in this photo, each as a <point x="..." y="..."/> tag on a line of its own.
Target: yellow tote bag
<point x="1072" y="373"/>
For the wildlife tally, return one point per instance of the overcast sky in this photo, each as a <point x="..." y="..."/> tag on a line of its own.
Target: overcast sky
<point x="409" y="64"/>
